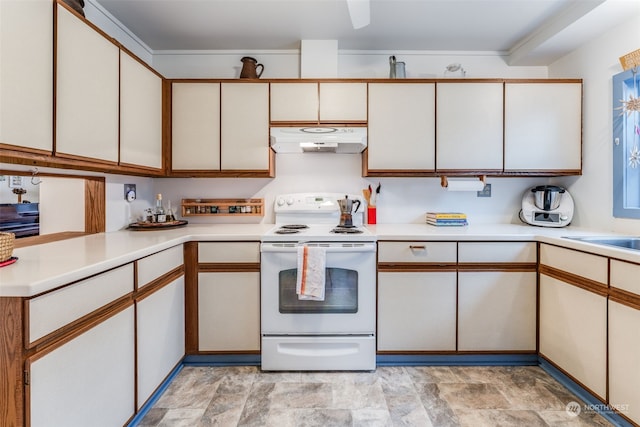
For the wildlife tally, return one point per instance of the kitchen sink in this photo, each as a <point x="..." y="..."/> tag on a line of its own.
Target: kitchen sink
<point x="621" y="242"/>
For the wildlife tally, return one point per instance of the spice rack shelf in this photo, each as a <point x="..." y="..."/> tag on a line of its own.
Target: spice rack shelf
<point x="222" y="207"/>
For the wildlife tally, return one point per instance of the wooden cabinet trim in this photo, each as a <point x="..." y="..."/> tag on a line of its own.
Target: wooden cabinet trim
<point x="231" y="267"/>
<point x="158" y="283"/>
<point x="12" y="387"/>
<point x="415" y="266"/>
<point x="191" y="297"/>
<point x="624" y="297"/>
<point x="575" y="280"/>
<point x="498" y="266"/>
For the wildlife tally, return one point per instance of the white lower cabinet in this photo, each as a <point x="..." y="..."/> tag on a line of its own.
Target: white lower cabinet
<point x="573" y="332"/>
<point x="229" y="311"/>
<point x="88" y="381"/>
<point x="417" y="311"/>
<point x="624" y="359"/>
<point x="496" y="311"/>
<point x="160" y="336"/>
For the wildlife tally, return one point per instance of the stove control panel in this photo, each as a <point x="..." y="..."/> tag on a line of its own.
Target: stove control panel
<point x="305" y="202"/>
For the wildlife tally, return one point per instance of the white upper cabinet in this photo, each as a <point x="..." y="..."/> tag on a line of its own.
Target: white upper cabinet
<point x="26" y="73"/>
<point x="469" y="126"/>
<point x="543" y="126"/>
<point x="343" y="102"/>
<point x="195" y="126"/>
<point x="295" y="102"/>
<point x="87" y="95"/>
<point x="324" y="102"/>
<point x="140" y="114"/>
<point x="245" y="126"/>
<point x="401" y="127"/>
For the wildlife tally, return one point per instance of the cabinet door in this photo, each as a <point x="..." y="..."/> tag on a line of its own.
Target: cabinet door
<point x="86" y="90"/>
<point x="140" y="114"/>
<point x="195" y="126"/>
<point x="573" y="332"/>
<point x="401" y="127"/>
<point x="294" y="102"/>
<point x="470" y="126"/>
<point x="229" y="311"/>
<point x="160" y="336"/>
<point x="417" y="311"/>
<point x="88" y="381"/>
<point x="343" y="102"/>
<point x="543" y="126"/>
<point x="245" y="126"/>
<point x="497" y="311"/>
<point x="26" y="73"/>
<point x="624" y="359"/>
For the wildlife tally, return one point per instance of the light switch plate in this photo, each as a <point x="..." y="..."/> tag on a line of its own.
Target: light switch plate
<point x="486" y="191"/>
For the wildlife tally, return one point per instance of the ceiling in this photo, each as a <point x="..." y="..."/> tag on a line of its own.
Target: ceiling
<point x="527" y="32"/>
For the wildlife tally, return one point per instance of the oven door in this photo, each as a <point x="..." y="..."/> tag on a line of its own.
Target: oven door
<point x="350" y="291"/>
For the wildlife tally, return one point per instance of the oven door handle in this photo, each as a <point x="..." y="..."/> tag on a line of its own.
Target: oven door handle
<point x="330" y="247"/>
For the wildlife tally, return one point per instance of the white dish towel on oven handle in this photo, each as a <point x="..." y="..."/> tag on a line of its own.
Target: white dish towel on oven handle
<point x="310" y="280"/>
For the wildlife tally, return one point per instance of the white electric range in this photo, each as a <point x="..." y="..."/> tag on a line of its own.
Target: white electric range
<point x="337" y="333"/>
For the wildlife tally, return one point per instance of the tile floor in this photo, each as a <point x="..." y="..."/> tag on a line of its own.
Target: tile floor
<point x="391" y="396"/>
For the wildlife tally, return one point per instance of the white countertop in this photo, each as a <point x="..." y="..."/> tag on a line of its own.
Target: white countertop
<point x="41" y="268"/>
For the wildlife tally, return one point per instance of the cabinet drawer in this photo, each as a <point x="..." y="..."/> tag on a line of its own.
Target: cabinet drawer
<point x="590" y="266"/>
<point x="497" y="252"/>
<point x="56" y="309"/>
<point x="154" y="266"/>
<point x="624" y="275"/>
<point x="417" y="251"/>
<point x="229" y="252"/>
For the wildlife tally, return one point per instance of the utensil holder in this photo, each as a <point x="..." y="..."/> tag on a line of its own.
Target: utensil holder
<point x="371" y="215"/>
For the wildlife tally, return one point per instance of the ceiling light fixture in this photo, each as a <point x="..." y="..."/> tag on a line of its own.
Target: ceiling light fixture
<point x="359" y="12"/>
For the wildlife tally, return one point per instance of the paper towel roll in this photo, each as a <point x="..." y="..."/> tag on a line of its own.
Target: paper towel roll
<point x="464" y="185"/>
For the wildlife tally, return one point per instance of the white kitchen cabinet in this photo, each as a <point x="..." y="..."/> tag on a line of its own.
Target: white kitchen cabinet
<point x="343" y="102"/>
<point x="416" y="305"/>
<point x="496" y="311"/>
<point x="469" y="126"/>
<point x="229" y="311"/>
<point x="160" y="336"/>
<point x="573" y="332"/>
<point x="496" y="305"/>
<point x="417" y="311"/>
<point x="89" y="380"/>
<point x="87" y="95"/>
<point x="26" y="74"/>
<point x="244" y="140"/>
<point x="294" y="102"/>
<point x="195" y="126"/>
<point x="624" y="359"/>
<point x="401" y="134"/>
<point x="154" y="266"/>
<point x="140" y="114"/>
<point x="543" y="126"/>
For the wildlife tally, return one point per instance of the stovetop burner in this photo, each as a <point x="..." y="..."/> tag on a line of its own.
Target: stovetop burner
<point x="294" y="226"/>
<point x="346" y="230"/>
<point x="287" y="231"/>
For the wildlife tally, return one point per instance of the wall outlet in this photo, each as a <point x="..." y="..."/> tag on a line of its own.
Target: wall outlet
<point x="486" y="191"/>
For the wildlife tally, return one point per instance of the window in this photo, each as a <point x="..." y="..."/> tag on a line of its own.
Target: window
<point x="626" y="144"/>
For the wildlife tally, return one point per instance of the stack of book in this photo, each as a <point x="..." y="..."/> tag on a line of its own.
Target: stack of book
<point x="447" y="218"/>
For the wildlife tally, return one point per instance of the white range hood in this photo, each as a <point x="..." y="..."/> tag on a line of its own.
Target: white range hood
<point x="318" y="139"/>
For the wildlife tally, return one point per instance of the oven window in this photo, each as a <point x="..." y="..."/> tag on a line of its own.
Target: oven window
<point x="340" y="294"/>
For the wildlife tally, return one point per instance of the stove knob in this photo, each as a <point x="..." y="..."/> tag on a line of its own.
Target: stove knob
<point x="280" y="202"/>
<point x="290" y="201"/>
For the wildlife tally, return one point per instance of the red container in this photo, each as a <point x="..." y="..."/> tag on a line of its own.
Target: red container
<point x="371" y="215"/>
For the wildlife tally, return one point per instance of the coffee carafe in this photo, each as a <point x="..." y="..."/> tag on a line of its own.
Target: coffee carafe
<point x="346" y="211"/>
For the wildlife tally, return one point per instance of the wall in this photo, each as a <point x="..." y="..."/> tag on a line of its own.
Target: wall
<point x="7" y="196"/>
<point x="61" y="205"/>
<point x="596" y="62"/>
